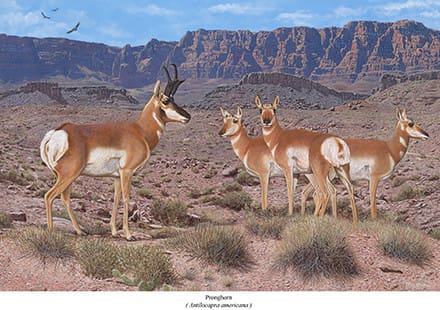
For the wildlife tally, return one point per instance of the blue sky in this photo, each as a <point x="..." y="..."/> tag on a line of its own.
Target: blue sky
<point x="136" y="22"/>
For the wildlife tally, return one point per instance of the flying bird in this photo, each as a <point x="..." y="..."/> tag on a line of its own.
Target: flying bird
<point x="44" y="15"/>
<point x="74" y="28"/>
<point x="54" y="10"/>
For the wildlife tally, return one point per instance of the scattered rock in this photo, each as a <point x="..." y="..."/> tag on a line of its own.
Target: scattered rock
<point x="230" y="172"/>
<point x="155" y="226"/>
<point x="18" y="216"/>
<point x="390" y="269"/>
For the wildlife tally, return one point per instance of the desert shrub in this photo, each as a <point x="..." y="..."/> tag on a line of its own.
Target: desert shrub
<point x="194" y="193"/>
<point x="410" y="192"/>
<point x="245" y="178"/>
<point x="169" y="212"/>
<point x="97" y="257"/>
<point x="435" y="233"/>
<point x="403" y="242"/>
<point x="147" y="264"/>
<point x="397" y="181"/>
<point x="266" y="226"/>
<point x="5" y="220"/>
<point x="235" y="200"/>
<point x="92" y="227"/>
<point x="20" y="178"/>
<point x="231" y="187"/>
<point x="222" y="245"/>
<point x="44" y="244"/>
<point x="316" y="247"/>
<point x="143" y="192"/>
<point x="210" y="174"/>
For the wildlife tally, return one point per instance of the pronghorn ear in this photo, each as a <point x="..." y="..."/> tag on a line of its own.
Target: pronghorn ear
<point x="398" y="115"/>
<point x="258" y="102"/>
<point x="239" y="113"/>
<point x="156" y="90"/>
<point x="275" y="102"/>
<point x="404" y="114"/>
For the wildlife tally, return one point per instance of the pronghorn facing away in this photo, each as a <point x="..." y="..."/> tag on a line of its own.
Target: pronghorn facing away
<point x="252" y="151"/>
<point x="375" y="160"/>
<point x="300" y="151"/>
<point x="114" y="150"/>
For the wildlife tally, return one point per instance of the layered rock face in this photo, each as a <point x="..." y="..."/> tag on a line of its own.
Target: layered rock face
<point x="359" y="50"/>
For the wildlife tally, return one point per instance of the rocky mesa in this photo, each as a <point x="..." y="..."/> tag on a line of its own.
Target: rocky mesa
<point x="360" y="50"/>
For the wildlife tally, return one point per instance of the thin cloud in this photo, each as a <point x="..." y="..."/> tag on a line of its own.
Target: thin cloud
<point x="298" y="18"/>
<point x="397" y="7"/>
<point x="344" y="11"/>
<point x="236" y="9"/>
<point x="150" y="9"/>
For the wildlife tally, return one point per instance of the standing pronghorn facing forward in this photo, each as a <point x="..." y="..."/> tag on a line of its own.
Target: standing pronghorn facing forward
<point x="300" y="151"/>
<point x="114" y="149"/>
<point x="252" y="151"/>
<point x="375" y="160"/>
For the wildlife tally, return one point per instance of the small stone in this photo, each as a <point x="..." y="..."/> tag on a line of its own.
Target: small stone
<point x="18" y="216"/>
<point x="155" y="226"/>
<point x="229" y="172"/>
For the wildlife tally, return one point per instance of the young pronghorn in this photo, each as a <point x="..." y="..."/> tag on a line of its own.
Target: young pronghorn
<point x="375" y="160"/>
<point x="300" y="151"/>
<point x="252" y="151"/>
<point x="114" y="150"/>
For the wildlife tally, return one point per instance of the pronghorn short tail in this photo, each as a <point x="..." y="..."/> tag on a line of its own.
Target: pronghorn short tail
<point x="53" y="146"/>
<point x="335" y="151"/>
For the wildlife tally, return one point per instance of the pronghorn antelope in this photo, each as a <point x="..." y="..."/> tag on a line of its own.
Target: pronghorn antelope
<point x="375" y="160"/>
<point x="114" y="150"/>
<point x="252" y="151"/>
<point x="300" y="151"/>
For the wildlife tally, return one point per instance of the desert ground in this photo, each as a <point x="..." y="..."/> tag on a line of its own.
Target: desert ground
<point x="193" y="156"/>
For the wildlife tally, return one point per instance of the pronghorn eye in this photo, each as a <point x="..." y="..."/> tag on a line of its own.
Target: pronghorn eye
<point x="235" y="121"/>
<point x="166" y="101"/>
<point x="411" y="124"/>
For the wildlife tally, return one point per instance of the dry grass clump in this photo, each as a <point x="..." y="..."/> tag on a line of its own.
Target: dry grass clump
<point x="231" y="187"/>
<point x="13" y="175"/>
<point x="316" y="247"/>
<point x="169" y="212"/>
<point x="5" y="220"/>
<point x="222" y="245"/>
<point x="97" y="257"/>
<point x="235" y="200"/>
<point x="435" y="233"/>
<point x="403" y="242"/>
<point x="47" y="246"/>
<point x="411" y="192"/>
<point x="266" y="226"/>
<point x="245" y="178"/>
<point x="147" y="264"/>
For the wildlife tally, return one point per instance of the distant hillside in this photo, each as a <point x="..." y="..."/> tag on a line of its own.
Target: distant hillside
<point x="359" y="51"/>
<point x="294" y="92"/>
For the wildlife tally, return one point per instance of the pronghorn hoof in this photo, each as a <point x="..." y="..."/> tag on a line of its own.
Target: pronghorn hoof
<point x="82" y="233"/>
<point x="131" y="238"/>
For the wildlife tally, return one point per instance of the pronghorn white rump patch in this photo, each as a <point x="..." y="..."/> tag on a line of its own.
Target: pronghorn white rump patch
<point x="104" y="162"/>
<point x="335" y="151"/>
<point x="53" y="146"/>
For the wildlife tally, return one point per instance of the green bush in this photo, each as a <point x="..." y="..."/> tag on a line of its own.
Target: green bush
<point x="235" y="200"/>
<point x="169" y="212"/>
<point x="97" y="257"/>
<point x="222" y="245"/>
<point x="316" y="247"/>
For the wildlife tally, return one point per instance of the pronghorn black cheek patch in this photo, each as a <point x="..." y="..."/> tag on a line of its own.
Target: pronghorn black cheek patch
<point x="162" y="113"/>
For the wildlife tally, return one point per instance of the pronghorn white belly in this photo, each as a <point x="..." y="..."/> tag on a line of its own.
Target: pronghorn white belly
<point x="360" y="168"/>
<point x="275" y="170"/>
<point x="298" y="158"/>
<point x="246" y="165"/>
<point x="104" y="162"/>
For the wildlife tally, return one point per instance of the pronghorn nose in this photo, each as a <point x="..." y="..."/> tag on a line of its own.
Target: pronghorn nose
<point x="221" y="132"/>
<point x="266" y="121"/>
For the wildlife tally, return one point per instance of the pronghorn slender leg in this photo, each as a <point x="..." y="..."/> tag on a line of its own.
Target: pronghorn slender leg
<point x="125" y="186"/>
<point x="61" y="184"/>
<point x="264" y="180"/>
<point x="116" y="199"/>
<point x="320" y="170"/>
<point x="304" y="195"/>
<point x="345" y="178"/>
<point x="331" y="190"/>
<point x="374" y="181"/>
<point x="291" y="186"/>
<point x="65" y="197"/>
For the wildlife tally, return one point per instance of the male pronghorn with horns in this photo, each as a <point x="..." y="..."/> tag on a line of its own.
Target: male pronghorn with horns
<point x="300" y="151"/>
<point x="115" y="149"/>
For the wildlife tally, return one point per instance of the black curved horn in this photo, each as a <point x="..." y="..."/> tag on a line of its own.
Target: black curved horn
<point x="167" y="73"/>
<point x="176" y="77"/>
